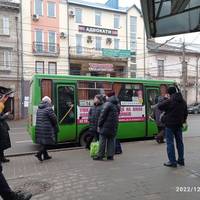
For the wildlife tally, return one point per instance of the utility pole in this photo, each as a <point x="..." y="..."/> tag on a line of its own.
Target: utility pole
<point x="22" y="64"/>
<point x="184" y="73"/>
<point x="197" y="79"/>
<point x="17" y="99"/>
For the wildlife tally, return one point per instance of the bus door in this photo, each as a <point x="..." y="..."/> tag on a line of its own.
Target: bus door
<point x="151" y="94"/>
<point x="66" y="111"/>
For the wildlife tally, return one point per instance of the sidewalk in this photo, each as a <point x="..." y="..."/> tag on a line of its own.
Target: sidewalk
<point x="137" y="174"/>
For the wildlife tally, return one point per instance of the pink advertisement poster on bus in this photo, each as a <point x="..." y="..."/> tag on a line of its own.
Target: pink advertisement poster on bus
<point x="127" y="114"/>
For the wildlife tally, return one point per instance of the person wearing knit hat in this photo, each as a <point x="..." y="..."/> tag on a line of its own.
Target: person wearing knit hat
<point x="175" y="116"/>
<point x="46" y="128"/>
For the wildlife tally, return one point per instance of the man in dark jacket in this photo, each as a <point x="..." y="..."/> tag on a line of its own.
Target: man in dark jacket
<point x="6" y="192"/>
<point x="46" y="128"/>
<point x="108" y="124"/>
<point x="175" y="109"/>
<point x="4" y="129"/>
<point x="93" y="118"/>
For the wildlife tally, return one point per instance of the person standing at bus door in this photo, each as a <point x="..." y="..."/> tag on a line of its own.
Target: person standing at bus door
<point x="6" y="192"/>
<point x="46" y="128"/>
<point x="157" y="113"/>
<point x="175" y="109"/>
<point x="93" y="118"/>
<point x="107" y="125"/>
<point x="4" y="129"/>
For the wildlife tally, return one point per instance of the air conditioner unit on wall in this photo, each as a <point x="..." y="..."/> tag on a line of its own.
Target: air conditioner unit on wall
<point x="108" y="40"/>
<point x="63" y="35"/>
<point x="71" y="13"/>
<point x="35" y="17"/>
<point x="89" y="39"/>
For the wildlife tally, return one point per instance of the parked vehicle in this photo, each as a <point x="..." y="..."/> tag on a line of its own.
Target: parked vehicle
<point x="194" y="108"/>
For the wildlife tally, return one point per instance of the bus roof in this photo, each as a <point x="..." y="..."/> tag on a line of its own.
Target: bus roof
<point x="94" y="78"/>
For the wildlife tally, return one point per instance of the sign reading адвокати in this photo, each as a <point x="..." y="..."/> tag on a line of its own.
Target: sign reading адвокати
<point x="103" y="31"/>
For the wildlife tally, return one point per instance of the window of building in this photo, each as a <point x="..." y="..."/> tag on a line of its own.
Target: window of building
<point x="52" y="41"/>
<point x="98" y="18"/>
<point x="39" y="67"/>
<point x="133" y="29"/>
<point x="5" y="26"/>
<point x="51" y="9"/>
<point x="79" y="47"/>
<point x="161" y="68"/>
<point x="133" y="59"/>
<point x="78" y="15"/>
<point x="98" y="43"/>
<point x="7" y="59"/>
<point x="39" y="40"/>
<point x="116" y="21"/>
<point x="52" y="68"/>
<point x="133" y="69"/>
<point x="116" y="43"/>
<point x="39" y="7"/>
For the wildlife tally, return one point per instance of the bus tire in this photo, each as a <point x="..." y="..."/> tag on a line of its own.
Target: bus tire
<point x="84" y="138"/>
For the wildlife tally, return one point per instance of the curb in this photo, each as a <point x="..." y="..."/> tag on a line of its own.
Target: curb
<point x="51" y="150"/>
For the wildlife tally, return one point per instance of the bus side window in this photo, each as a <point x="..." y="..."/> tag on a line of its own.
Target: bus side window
<point x="66" y="112"/>
<point x="46" y="87"/>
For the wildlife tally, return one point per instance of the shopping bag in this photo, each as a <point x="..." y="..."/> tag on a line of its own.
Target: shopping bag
<point x="185" y="127"/>
<point x="94" y="149"/>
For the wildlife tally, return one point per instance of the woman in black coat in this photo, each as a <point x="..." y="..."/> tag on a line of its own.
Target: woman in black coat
<point x="4" y="130"/>
<point x="108" y="125"/>
<point x="46" y="128"/>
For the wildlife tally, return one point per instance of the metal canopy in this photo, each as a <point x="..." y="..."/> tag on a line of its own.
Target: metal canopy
<point x="170" y="17"/>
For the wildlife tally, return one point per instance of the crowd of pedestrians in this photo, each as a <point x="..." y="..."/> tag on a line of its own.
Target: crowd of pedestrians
<point x="170" y="112"/>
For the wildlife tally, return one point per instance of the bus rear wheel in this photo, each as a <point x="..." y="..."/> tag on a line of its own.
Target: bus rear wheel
<point x="84" y="138"/>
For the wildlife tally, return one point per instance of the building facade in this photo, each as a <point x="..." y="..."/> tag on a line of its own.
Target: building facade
<point x="165" y="62"/>
<point x="10" y="53"/>
<point x="103" y="38"/>
<point x="80" y="38"/>
<point x="45" y="43"/>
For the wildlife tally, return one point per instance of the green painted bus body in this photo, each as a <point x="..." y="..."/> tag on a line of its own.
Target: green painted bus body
<point x="126" y="130"/>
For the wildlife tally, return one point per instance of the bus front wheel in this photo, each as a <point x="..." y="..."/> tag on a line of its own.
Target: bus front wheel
<point x="84" y="138"/>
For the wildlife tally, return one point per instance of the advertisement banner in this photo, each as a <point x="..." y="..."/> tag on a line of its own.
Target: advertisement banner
<point x="127" y="114"/>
